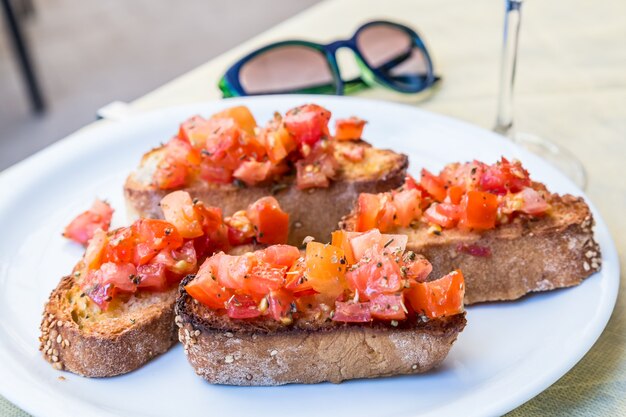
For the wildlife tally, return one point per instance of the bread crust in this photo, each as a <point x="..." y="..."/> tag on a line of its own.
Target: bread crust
<point x="264" y="353"/>
<point x="527" y="255"/>
<point x="106" y="349"/>
<point x="313" y="212"/>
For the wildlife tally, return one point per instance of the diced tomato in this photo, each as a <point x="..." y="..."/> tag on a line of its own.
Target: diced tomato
<point x="264" y="277"/>
<point x="242" y="306"/>
<point x="152" y="277"/>
<point x="206" y="289"/>
<point x="387" y="307"/>
<point x="119" y="275"/>
<point x="407" y="204"/>
<point x="178" y="209"/>
<point x="296" y="282"/>
<point x="455" y="194"/>
<point x="96" y="290"/>
<point x="238" y="237"/>
<point x="215" y="173"/>
<point x="278" y="143"/>
<point x="253" y="172"/>
<point x="362" y="242"/>
<point x="232" y="271"/>
<point x="174" y="169"/>
<point x="410" y="183"/>
<point x="95" y="249"/>
<point x="417" y="267"/>
<point x="368" y="208"/>
<point x="442" y="297"/>
<point x="341" y="239"/>
<point x="324" y="268"/>
<point x="433" y="185"/>
<point x="375" y="274"/>
<point x="504" y="176"/>
<point x="310" y="175"/>
<point x="270" y="222"/>
<point x="158" y="234"/>
<point x="242" y="117"/>
<point x="195" y="130"/>
<point x="180" y="261"/>
<point x="308" y="123"/>
<point x="351" y="312"/>
<point x="120" y="247"/>
<point x="443" y="214"/>
<point x="481" y="210"/>
<point x="83" y="227"/>
<point x="280" y="255"/>
<point x="280" y="304"/>
<point x="349" y="129"/>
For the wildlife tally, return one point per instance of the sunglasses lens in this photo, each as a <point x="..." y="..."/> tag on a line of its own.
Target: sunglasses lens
<point x="392" y="52"/>
<point x="288" y="69"/>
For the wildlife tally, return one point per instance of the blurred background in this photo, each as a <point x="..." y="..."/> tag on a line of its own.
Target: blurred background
<point x="87" y="54"/>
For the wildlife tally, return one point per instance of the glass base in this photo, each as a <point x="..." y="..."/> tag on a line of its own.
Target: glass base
<point x="557" y="156"/>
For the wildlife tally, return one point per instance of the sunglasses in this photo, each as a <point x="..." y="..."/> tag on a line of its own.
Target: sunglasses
<point x="388" y="54"/>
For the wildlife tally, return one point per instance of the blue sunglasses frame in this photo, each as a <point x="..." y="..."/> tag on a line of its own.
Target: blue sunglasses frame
<point x="230" y="83"/>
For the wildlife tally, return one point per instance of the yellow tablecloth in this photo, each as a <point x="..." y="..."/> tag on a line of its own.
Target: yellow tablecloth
<point x="571" y="88"/>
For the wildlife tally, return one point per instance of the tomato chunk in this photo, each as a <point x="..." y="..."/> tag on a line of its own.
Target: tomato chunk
<point x="83" y="227"/>
<point x="270" y="222"/>
<point x="206" y="289"/>
<point x="433" y="185"/>
<point x="308" y="123"/>
<point x="349" y="129"/>
<point x="178" y="209"/>
<point x="242" y="117"/>
<point x="442" y="297"/>
<point x="351" y="312"/>
<point x="241" y="306"/>
<point x="481" y="210"/>
<point x="325" y="268"/>
<point x="388" y="307"/>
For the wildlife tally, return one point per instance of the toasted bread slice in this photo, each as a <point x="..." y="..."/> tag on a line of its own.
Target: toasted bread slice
<point x="264" y="352"/>
<point x="528" y="255"/>
<point x="78" y="337"/>
<point x="313" y="212"/>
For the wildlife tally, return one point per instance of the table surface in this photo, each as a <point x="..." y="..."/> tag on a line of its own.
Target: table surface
<point x="571" y="88"/>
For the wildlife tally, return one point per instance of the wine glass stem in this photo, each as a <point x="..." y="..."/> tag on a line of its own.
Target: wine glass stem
<point x="512" y="20"/>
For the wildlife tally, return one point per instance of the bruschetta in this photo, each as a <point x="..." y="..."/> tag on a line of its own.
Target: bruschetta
<point x="115" y="311"/>
<point x="227" y="161"/>
<point x="360" y="307"/>
<point x="508" y="234"/>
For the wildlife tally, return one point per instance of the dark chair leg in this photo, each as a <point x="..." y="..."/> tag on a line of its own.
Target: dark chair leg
<point x="36" y="99"/>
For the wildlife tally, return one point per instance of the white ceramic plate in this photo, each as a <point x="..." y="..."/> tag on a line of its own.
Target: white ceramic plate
<point x="508" y="353"/>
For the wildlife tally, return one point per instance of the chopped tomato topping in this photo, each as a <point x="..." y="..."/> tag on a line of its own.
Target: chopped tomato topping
<point x="271" y="224"/>
<point x="83" y="227"/>
<point x="279" y="283"/>
<point x="253" y="172"/>
<point x="178" y="209"/>
<point x="325" y="268"/>
<point x="481" y="210"/>
<point x="433" y="185"/>
<point x="442" y="297"/>
<point x="177" y="166"/>
<point x="241" y="306"/>
<point x="388" y="307"/>
<point x="242" y="117"/>
<point x="473" y="195"/>
<point x="349" y="129"/>
<point x="154" y="255"/>
<point x="308" y="123"/>
<point x="351" y="312"/>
